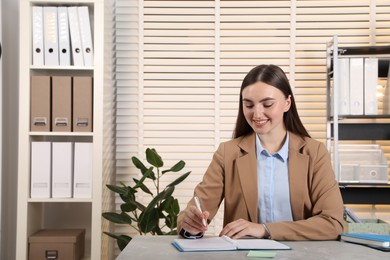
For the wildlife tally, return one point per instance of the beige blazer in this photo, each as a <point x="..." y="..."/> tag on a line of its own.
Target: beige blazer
<point x="316" y="202"/>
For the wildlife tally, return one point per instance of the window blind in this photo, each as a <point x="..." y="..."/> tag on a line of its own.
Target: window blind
<point x="180" y="65"/>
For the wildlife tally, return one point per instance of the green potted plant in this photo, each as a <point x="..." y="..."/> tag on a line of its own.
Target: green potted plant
<point x="160" y="215"/>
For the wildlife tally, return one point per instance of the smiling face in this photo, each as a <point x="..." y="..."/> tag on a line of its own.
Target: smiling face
<point x="263" y="108"/>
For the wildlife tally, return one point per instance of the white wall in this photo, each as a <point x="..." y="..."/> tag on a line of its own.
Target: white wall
<point x="10" y="84"/>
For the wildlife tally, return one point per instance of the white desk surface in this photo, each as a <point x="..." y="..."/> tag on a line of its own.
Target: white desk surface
<point x="160" y="247"/>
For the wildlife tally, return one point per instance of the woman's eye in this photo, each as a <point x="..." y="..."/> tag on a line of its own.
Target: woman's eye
<point x="248" y="106"/>
<point x="267" y="105"/>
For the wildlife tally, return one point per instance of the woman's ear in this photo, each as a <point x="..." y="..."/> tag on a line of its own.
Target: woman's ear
<point x="288" y="103"/>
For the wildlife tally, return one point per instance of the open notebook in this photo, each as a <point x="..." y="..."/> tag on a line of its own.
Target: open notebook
<point x="225" y="243"/>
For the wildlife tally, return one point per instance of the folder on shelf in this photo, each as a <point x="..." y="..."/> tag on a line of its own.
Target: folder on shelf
<point x="75" y="38"/>
<point x="82" y="104"/>
<point x="63" y="36"/>
<point x="356" y="83"/>
<point x="40" y="103"/>
<point x="61" y="103"/>
<point x="37" y="34"/>
<point x="50" y="35"/>
<point x="83" y="167"/>
<point x="62" y="169"/>
<point x="40" y="169"/>
<point x="370" y="86"/>
<point x="386" y="95"/>
<point x="344" y="88"/>
<point x="86" y="35"/>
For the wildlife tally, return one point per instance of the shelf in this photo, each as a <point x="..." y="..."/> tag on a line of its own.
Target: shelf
<point x="61" y="134"/>
<point x="62" y="200"/>
<point x="364" y="50"/>
<point x="366" y="131"/>
<point x="34" y="67"/>
<point x="365" y="193"/>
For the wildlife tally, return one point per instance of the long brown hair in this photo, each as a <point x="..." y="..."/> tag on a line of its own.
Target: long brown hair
<point x="274" y="76"/>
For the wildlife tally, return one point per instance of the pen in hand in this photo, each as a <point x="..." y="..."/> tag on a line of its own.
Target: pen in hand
<point x="197" y="203"/>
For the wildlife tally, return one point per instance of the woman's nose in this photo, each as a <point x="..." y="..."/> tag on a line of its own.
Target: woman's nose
<point x="259" y="110"/>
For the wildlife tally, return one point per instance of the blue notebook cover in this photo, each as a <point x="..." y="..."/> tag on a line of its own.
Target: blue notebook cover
<point x="367" y="239"/>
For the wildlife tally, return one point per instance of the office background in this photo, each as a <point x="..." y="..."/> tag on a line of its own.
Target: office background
<point x="179" y="69"/>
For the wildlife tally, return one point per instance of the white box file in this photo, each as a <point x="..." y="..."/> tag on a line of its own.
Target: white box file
<point x="356" y="84"/>
<point x="83" y="167"/>
<point x="62" y="169"/>
<point x="40" y="170"/>
<point x="370" y="86"/>
<point x="362" y="164"/>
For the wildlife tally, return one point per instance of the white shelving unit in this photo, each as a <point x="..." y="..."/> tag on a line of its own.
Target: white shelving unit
<point x="348" y="127"/>
<point x="34" y="214"/>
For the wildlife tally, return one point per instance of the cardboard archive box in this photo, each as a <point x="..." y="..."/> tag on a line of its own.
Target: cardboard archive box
<point x="369" y="226"/>
<point x="59" y="244"/>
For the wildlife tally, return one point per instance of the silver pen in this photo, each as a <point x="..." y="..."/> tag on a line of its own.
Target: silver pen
<point x="197" y="203"/>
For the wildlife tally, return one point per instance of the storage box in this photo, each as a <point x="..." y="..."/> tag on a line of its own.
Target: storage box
<point x="59" y="244"/>
<point x="375" y="226"/>
<point x="362" y="164"/>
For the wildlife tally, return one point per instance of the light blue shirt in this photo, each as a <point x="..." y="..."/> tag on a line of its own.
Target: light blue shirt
<point x="273" y="184"/>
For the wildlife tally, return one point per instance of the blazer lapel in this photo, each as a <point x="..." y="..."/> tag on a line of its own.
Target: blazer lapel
<point x="247" y="171"/>
<point x="298" y="170"/>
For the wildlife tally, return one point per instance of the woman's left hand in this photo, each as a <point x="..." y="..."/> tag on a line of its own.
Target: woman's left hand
<point x="241" y="228"/>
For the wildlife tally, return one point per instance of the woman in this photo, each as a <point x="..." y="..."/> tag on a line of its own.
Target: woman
<point x="276" y="181"/>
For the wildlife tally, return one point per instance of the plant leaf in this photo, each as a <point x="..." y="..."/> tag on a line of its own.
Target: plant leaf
<point x="151" y="210"/>
<point x="154" y="158"/>
<point x="158" y="231"/>
<point x="179" y="180"/>
<point x="175" y="168"/>
<point x="123" y="241"/>
<point x="138" y="164"/>
<point x="121" y="218"/>
<point x="140" y="206"/>
<point x="117" y="189"/>
<point x="148" y="220"/>
<point x="143" y="187"/>
<point x="171" y="206"/>
<point x="171" y="221"/>
<point x="128" y="206"/>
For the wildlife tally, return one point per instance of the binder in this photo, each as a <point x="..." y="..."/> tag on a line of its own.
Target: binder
<point x="370" y="83"/>
<point x="86" y="35"/>
<point x="63" y="36"/>
<point x="40" y="103"/>
<point x="83" y="167"/>
<point x="50" y="35"/>
<point x="82" y="104"/>
<point x="37" y="34"/>
<point x="75" y="38"/>
<point x="40" y="169"/>
<point x="62" y="169"/>
<point x="356" y="83"/>
<point x="61" y="103"/>
<point x="344" y="94"/>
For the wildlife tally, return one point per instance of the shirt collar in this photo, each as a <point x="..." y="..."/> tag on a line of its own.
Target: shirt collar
<point x="282" y="154"/>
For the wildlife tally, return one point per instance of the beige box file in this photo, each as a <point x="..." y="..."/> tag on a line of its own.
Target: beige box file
<point x="82" y="104"/>
<point x="40" y="103"/>
<point x="61" y="103"/>
<point x="374" y="226"/>
<point x="59" y="244"/>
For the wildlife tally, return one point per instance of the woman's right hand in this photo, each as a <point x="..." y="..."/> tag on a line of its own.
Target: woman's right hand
<point x="190" y="220"/>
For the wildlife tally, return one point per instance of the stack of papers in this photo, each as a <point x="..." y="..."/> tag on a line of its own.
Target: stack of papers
<point x="373" y="240"/>
<point x="225" y="243"/>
